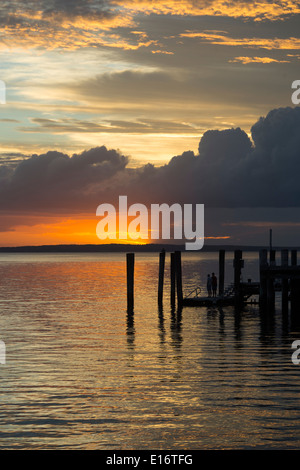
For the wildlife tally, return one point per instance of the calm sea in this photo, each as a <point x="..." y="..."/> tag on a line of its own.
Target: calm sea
<point x="81" y="374"/>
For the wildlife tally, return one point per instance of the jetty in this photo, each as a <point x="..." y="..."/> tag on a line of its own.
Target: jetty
<point x="283" y="277"/>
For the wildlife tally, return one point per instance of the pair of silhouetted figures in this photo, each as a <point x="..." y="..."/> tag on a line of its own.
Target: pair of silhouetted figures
<point x="212" y="284"/>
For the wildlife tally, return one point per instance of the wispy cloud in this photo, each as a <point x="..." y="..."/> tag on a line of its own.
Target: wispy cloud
<point x="144" y="126"/>
<point x="266" y="224"/>
<point x="212" y="37"/>
<point x="258" y="60"/>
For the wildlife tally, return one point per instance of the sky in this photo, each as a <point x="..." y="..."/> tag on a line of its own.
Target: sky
<point x="168" y="101"/>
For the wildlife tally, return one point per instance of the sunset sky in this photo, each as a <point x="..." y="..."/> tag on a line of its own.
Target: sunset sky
<point x="165" y="101"/>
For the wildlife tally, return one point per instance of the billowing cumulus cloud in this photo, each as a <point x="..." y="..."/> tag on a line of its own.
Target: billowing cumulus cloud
<point x="55" y="181"/>
<point x="230" y="170"/>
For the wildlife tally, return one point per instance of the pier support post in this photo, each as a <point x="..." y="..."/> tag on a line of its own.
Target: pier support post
<point x="295" y="302"/>
<point x="295" y="294"/>
<point x="284" y="258"/>
<point x="221" y="271"/>
<point x="270" y="293"/>
<point x="130" y="280"/>
<point x="284" y="282"/>
<point x="263" y="264"/>
<point x="272" y="258"/>
<point x="237" y="274"/>
<point x="294" y="287"/>
<point x="173" y="279"/>
<point x="162" y="256"/>
<point x="178" y="277"/>
<point x="294" y="257"/>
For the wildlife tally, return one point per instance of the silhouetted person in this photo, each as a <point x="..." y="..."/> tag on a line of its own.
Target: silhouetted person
<point x="209" y="285"/>
<point x="214" y="284"/>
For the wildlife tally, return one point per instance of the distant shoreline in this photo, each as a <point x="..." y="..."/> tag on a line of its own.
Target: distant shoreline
<point x="123" y="248"/>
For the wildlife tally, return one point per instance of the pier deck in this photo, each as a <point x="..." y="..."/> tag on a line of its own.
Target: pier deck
<point x="247" y="290"/>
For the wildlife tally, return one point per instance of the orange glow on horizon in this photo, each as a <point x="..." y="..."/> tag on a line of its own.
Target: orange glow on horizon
<point x="62" y="231"/>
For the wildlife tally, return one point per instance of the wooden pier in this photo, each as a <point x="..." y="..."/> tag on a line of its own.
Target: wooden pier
<point x="286" y="275"/>
<point x="236" y="293"/>
<point x="283" y="277"/>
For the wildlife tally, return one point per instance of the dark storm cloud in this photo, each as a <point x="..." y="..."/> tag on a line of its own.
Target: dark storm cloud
<point x="274" y="165"/>
<point x="49" y="7"/>
<point x="230" y="170"/>
<point x="56" y="181"/>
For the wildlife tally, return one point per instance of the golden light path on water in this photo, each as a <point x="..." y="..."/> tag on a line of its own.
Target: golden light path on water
<point x="82" y="374"/>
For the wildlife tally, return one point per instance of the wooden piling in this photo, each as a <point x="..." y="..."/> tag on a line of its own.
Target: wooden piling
<point x="130" y="280"/>
<point x="263" y="258"/>
<point x="284" y="258"/>
<point x="237" y="273"/>
<point x="295" y="301"/>
<point x="221" y="271"/>
<point x="178" y="270"/>
<point x="294" y="287"/>
<point x="294" y="257"/>
<point x="295" y="293"/>
<point x="173" y="279"/>
<point x="270" y="294"/>
<point x="162" y="256"/>
<point x="263" y="264"/>
<point x="284" y="282"/>
<point x="272" y="258"/>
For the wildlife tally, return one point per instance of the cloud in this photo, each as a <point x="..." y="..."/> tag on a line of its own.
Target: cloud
<point x="64" y="24"/>
<point x="144" y="126"/>
<point x="230" y="170"/>
<point x="55" y="181"/>
<point x="162" y="52"/>
<point x="74" y="24"/>
<point x="208" y="177"/>
<point x="258" y="60"/>
<point x="213" y="37"/>
<point x="259" y="10"/>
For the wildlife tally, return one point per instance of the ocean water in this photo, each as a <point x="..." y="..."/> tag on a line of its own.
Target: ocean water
<point x="81" y="373"/>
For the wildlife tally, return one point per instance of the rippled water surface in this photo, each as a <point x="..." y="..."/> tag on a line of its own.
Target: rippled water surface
<point x="82" y="374"/>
